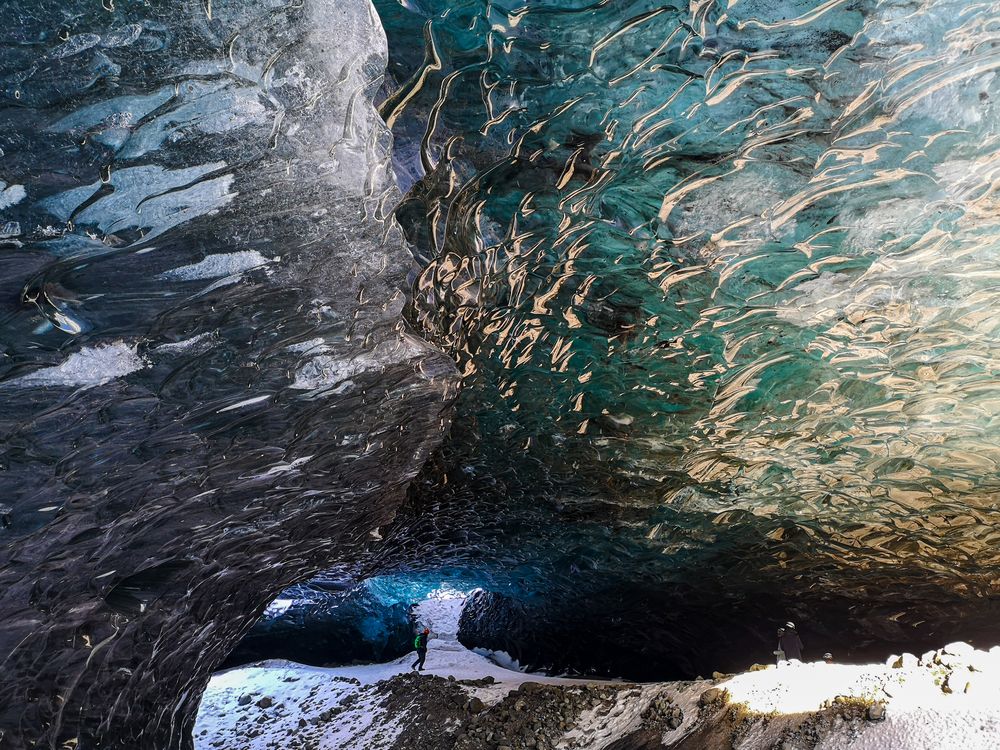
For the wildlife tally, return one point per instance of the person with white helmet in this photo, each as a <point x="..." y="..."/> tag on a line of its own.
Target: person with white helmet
<point x="790" y="643"/>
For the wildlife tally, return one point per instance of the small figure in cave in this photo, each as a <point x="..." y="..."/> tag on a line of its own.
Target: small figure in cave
<point x="779" y="655"/>
<point x="790" y="643"/>
<point x="828" y="657"/>
<point x="420" y="644"/>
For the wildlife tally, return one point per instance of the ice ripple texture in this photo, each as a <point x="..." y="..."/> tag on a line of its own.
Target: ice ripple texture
<point x="721" y="278"/>
<point x="207" y="391"/>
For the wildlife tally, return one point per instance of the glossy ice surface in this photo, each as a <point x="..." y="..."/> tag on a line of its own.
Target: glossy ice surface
<point x="721" y="279"/>
<point x="206" y="389"/>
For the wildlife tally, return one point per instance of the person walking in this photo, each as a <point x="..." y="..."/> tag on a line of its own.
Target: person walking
<point x="790" y="643"/>
<point x="420" y="644"/>
<point x="779" y="655"/>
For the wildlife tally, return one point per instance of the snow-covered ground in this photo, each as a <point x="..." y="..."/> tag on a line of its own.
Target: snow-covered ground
<point x="301" y="692"/>
<point x="945" y="700"/>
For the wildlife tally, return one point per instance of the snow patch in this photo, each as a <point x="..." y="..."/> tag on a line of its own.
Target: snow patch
<point x="326" y="370"/>
<point x="11" y="195"/>
<point x="91" y="366"/>
<point x="198" y="343"/>
<point x="296" y="692"/>
<point x="213" y="266"/>
<point x="501" y="659"/>
<point x="302" y="692"/>
<point x="278" y="606"/>
<point x="943" y="701"/>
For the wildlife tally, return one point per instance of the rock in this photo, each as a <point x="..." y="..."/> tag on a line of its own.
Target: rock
<point x="476" y="705"/>
<point x="905" y="661"/>
<point x="713" y="695"/>
<point x="876" y="712"/>
<point x="245" y="699"/>
<point x="265" y="702"/>
<point x="958" y="648"/>
<point x="982" y="661"/>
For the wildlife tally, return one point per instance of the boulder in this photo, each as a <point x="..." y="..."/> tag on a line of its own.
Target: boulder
<point x="713" y="695"/>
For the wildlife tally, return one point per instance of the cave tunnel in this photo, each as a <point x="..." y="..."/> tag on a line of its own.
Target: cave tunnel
<point x="644" y="326"/>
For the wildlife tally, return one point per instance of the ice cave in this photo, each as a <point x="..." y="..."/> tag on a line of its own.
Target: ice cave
<point x="603" y="336"/>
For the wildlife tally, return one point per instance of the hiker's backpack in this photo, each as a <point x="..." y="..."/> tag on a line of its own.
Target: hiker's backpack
<point x="416" y="642"/>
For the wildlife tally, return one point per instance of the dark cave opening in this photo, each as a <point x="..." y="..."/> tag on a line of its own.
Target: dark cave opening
<point x="626" y="631"/>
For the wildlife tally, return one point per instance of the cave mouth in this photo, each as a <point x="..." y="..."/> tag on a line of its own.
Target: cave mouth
<point x="720" y="370"/>
<point x="713" y="282"/>
<point x="618" y="631"/>
<point x="332" y="621"/>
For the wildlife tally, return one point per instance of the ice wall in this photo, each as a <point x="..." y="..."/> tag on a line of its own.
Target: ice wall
<point x="206" y="389"/>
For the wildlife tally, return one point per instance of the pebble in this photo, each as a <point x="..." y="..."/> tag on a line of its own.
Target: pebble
<point x="876" y="712"/>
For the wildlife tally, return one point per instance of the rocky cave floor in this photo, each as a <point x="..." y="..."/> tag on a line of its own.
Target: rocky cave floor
<point x="949" y="698"/>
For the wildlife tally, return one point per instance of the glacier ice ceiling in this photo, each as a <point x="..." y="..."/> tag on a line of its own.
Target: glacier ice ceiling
<point x="719" y="281"/>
